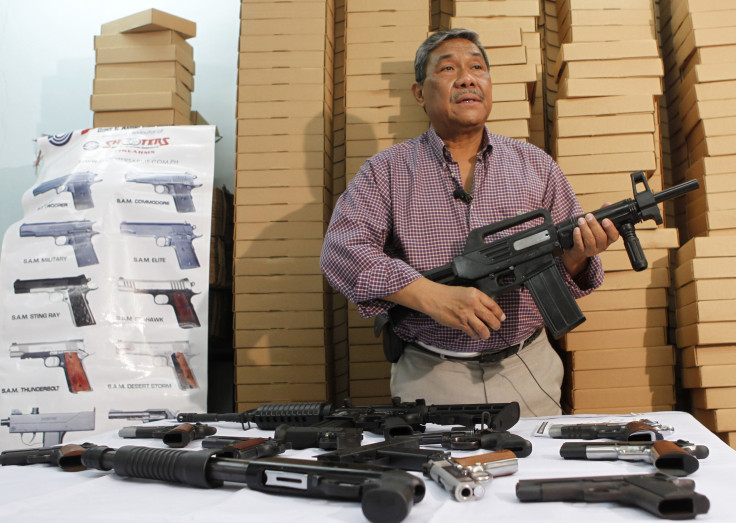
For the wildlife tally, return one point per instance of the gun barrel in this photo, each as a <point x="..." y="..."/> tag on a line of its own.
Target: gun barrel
<point x="677" y="190"/>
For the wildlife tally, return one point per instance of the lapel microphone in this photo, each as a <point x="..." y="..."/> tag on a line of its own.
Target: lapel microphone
<point x="462" y="194"/>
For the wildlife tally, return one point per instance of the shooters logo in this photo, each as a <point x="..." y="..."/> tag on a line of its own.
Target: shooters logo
<point x="60" y="139"/>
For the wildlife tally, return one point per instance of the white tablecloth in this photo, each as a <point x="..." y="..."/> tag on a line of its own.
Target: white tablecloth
<point x="42" y="493"/>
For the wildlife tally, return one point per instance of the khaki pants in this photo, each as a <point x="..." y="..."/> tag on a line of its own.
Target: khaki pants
<point x="532" y="377"/>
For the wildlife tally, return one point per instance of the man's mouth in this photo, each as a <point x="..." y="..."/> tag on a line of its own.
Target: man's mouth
<point x="467" y="97"/>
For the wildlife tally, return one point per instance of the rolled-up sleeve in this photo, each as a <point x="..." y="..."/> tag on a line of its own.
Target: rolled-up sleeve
<point x="353" y="257"/>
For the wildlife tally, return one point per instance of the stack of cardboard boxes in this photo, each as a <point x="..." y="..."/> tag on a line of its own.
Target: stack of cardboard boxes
<point x="144" y="73"/>
<point x="381" y="37"/>
<point x="606" y="126"/>
<point x="509" y="31"/>
<point x="701" y="48"/>
<point x="283" y="309"/>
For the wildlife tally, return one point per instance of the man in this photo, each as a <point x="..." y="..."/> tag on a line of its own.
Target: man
<point x="410" y="208"/>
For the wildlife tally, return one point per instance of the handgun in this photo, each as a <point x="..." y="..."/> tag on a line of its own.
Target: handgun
<point x="78" y="234"/>
<point x="638" y="430"/>
<point x="73" y="290"/>
<point x="78" y="184"/>
<point x="179" y="185"/>
<point x="175" y="436"/>
<point x="170" y="353"/>
<point x="177" y="293"/>
<point x="176" y="235"/>
<point x="66" y="354"/>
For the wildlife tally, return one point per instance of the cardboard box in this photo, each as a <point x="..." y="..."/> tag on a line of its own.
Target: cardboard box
<point x="610" y="339"/>
<point x="621" y="358"/>
<point x="604" y="105"/>
<point x="146" y="70"/>
<point x="714" y="398"/>
<point x="625" y="377"/>
<point x="411" y="34"/>
<point x="284" y="75"/>
<point x="706" y="311"/>
<point x="617" y="396"/>
<point x="624" y="68"/>
<point x="623" y="319"/>
<point x="301" y="301"/>
<point x="605" y="125"/>
<point x="709" y="376"/>
<point x="152" y="38"/>
<point x="614" y="260"/>
<point x="608" y="162"/>
<point x="709" y="355"/>
<point x="281" y="231"/>
<point x="704" y="268"/>
<point x="138" y="101"/>
<point x="701" y="290"/>
<point x="714" y="333"/>
<point x="288" y="26"/>
<point x="150" y="20"/>
<point x="621" y="409"/>
<point x="624" y="143"/>
<point x="493" y="9"/>
<point x="157" y="53"/>
<point x="587" y="87"/>
<point x="284" y="126"/>
<point x="295" y="211"/>
<point x="277" y="267"/>
<point x="143" y="118"/>
<point x="288" y="10"/>
<point x="142" y="85"/>
<point x="278" y="283"/>
<point x="284" y="160"/>
<point x="267" y="248"/>
<point x="272" y="374"/>
<point x="717" y="420"/>
<point x="512" y="128"/>
<point x="378" y="388"/>
<point x="263" y="393"/>
<point x="265" y="356"/>
<point x="295" y="338"/>
<point x="624" y="299"/>
<point x="282" y="59"/>
<point x="639" y="31"/>
<point x="285" y="143"/>
<point x="370" y="370"/>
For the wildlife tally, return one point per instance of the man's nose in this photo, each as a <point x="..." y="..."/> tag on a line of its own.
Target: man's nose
<point x="465" y="79"/>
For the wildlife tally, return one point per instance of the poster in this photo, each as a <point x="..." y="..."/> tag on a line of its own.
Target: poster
<point x="103" y="315"/>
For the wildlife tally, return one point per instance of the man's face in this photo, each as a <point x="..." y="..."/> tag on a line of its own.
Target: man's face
<point x="456" y="93"/>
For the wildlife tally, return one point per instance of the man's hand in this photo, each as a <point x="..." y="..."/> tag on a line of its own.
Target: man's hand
<point x="589" y="238"/>
<point x="465" y="308"/>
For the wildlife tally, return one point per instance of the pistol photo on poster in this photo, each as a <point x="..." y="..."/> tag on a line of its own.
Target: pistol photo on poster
<point x="77" y="184"/>
<point x="163" y="353"/>
<point x="78" y="234"/>
<point x="67" y="355"/>
<point x="178" y="185"/>
<point x="177" y="293"/>
<point x="73" y="290"/>
<point x="176" y="235"/>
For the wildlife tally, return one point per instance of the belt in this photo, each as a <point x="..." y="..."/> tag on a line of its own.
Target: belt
<point x="485" y="357"/>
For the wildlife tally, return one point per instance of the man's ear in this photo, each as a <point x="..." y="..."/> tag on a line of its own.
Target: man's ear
<point x="417" y="90"/>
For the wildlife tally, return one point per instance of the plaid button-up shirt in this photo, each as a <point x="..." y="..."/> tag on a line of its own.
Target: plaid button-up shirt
<point x="398" y="217"/>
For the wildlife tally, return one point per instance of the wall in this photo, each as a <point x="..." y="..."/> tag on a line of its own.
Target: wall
<point x="47" y="67"/>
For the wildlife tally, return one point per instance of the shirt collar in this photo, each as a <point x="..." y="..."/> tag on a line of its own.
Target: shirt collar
<point x="441" y="151"/>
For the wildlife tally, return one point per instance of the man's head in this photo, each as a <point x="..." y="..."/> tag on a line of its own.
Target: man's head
<point x="453" y="84"/>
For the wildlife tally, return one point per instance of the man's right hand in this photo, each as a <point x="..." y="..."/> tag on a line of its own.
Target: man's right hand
<point x="465" y="308"/>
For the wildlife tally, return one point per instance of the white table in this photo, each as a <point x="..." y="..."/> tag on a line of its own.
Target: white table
<point x="43" y="493"/>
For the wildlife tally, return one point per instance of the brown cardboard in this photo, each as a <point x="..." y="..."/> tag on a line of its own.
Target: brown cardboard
<point x="625" y="377"/>
<point x="511" y="128"/>
<point x="370" y="389"/>
<point x="605" y="125"/>
<point x="608" y="162"/>
<point x="152" y="38"/>
<point x="621" y="358"/>
<point x="624" y="338"/>
<point x="648" y="278"/>
<point x="410" y="34"/>
<point x="624" y="299"/>
<point x="505" y="74"/>
<point x="141" y="85"/>
<point x="293" y="92"/>
<point x="277" y="266"/>
<point x="284" y="160"/>
<point x="715" y="289"/>
<point x="623" y="319"/>
<point x="138" y="101"/>
<point x="271" y="60"/>
<point x="260" y="393"/>
<point x="603" y="105"/>
<point x="709" y="376"/>
<point x="624" y="68"/>
<point x="714" y="398"/>
<point x="278" y="283"/>
<point x="617" y="396"/>
<point x="300" y="301"/>
<point x="624" y="143"/>
<point x="281" y="230"/>
<point x="265" y="356"/>
<point x="285" y="143"/>
<point x="709" y="355"/>
<point x="621" y="409"/>
<point x="144" y="118"/>
<point x="284" y="75"/>
<point x="157" y="53"/>
<point x="266" y="248"/>
<point x="487" y="25"/>
<point x="281" y="374"/>
<point x="252" y="212"/>
<point x="150" y="20"/>
<point x="706" y="311"/>
<point x="283" y="125"/>
<point x="279" y="319"/>
<point x="491" y="9"/>
<point x="640" y="31"/>
<point x="585" y="87"/>
<point x="704" y="268"/>
<point x="595" y="183"/>
<point x="288" y="10"/>
<point x="279" y="338"/>
<point x="146" y="70"/>
<point x="304" y="26"/>
<point x="386" y="18"/>
<point x="617" y="260"/>
<point x="717" y="420"/>
<point x="370" y="370"/>
<point x="288" y="178"/>
<point x="706" y="334"/>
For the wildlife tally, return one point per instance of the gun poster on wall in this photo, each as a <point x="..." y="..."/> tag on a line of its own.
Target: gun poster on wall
<point x="104" y="284"/>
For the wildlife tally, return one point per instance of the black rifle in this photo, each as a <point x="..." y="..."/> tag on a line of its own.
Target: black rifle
<point x="461" y="438"/>
<point x="639" y="430"/>
<point x="527" y="258"/>
<point x="392" y="420"/>
<point x="676" y="458"/>
<point x="175" y="436"/>
<point x="662" y="495"/>
<point x="386" y="495"/>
